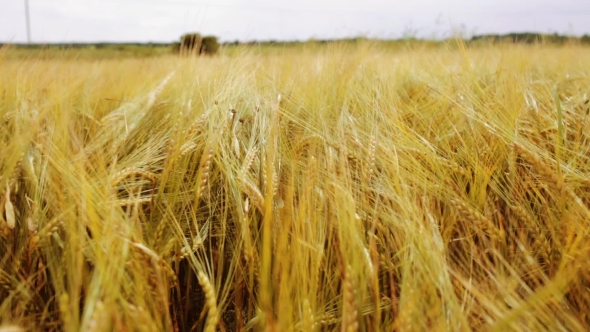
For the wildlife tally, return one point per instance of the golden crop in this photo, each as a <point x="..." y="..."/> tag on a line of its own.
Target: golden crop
<point x="325" y="188"/>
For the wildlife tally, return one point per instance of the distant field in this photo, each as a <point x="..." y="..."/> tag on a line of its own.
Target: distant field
<point x="319" y="187"/>
<point x="125" y="51"/>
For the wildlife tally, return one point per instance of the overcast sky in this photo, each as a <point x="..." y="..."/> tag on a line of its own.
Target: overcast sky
<point x="166" y="20"/>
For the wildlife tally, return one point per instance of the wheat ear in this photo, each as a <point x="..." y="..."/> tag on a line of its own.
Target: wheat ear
<point x="556" y="182"/>
<point x="248" y="160"/>
<point x="203" y="172"/>
<point x="47" y="231"/>
<point x="350" y="312"/>
<point x="211" y="302"/>
<point x="253" y="193"/>
<point x="308" y="320"/>
<point x="131" y="171"/>
<point x="475" y="218"/>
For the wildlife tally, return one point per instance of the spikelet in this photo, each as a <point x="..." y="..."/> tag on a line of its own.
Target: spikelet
<point x="469" y="213"/>
<point x="350" y="311"/>
<point x="308" y="320"/>
<point x="9" y="209"/>
<point x="14" y="176"/>
<point x="328" y="319"/>
<point x="169" y="272"/>
<point x="139" y="314"/>
<point x="169" y="248"/>
<point x="64" y="310"/>
<point x="203" y="173"/>
<point x="523" y="215"/>
<point x="369" y="262"/>
<point x="47" y="231"/>
<point x="543" y="247"/>
<point x="275" y="182"/>
<point x="31" y="221"/>
<point x="151" y="256"/>
<point x="31" y="224"/>
<point x="456" y="168"/>
<point x="159" y="232"/>
<point x="129" y="172"/>
<point x="306" y="140"/>
<point x="187" y="147"/>
<point x="385" y="263"/>
<point x="556" y="182"/>
<point x="249" y="252"/>
<point x="186" y="251"/>
<point x="263" y="175"/>
<point x="354" y="140"/>
<point x="252" y="259"/>
<point x="211" y="302"/>
<point x="196" y="126"/>
<point x="248" y="160"/>
<point x="174" y="136"/>
<point x="153" y="95"/>
<point x="253" y="193"/>
<point x="351" y="157"/>
<point x="236" y="145"/>
<point x="145" y="251"/>
<point x="477" y="220"/>
<point x="98" y="317"/>
<point x="370" y="162"/>
<point x="133" y="201"/>
<point x="311" y="171"/>
<point x="5" y="282"/>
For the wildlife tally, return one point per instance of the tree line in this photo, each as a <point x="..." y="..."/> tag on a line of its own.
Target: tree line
<point x="196" y="44"/>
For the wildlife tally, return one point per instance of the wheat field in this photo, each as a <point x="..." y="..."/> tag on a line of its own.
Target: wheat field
<point x="323" y="188"/>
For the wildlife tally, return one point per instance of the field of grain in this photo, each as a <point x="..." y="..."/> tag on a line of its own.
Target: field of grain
<point x="325" y="188"/>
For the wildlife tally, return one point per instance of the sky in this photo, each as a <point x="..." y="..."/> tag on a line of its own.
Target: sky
<point x="247" y="20"/>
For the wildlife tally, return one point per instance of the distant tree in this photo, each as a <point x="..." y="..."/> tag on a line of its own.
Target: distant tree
<point x="209" y="45"/>
<point x="195" y="44"/>
<point x="191" y="43"/>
